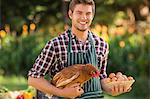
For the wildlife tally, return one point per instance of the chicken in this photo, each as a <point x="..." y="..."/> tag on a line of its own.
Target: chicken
<point x="78" y="73"/>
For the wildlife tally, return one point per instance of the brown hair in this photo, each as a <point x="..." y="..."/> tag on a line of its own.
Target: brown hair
<point x="88" y="2"/>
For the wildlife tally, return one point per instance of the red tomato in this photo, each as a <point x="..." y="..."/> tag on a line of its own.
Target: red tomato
<point x="20" y="97"/>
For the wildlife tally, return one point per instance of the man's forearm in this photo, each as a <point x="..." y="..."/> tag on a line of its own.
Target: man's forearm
<point x="43" y="85"/>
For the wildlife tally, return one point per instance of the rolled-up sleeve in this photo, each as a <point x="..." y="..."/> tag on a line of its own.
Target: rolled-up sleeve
<point x="43" y="62"/>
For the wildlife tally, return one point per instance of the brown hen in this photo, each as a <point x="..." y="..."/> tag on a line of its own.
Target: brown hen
<point x="78" y="73"/>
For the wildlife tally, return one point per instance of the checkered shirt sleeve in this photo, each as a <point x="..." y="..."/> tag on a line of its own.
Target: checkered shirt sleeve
<point x="43" y="62"/>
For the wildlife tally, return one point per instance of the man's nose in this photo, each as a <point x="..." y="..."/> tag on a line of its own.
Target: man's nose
<point x="84" y="16"/>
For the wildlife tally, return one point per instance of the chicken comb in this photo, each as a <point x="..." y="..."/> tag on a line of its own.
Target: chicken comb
<point x="97" y="74"/>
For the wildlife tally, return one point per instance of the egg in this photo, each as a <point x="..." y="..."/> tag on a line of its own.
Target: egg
<point x="111" y="75"/>
<point x="130" y="78"/>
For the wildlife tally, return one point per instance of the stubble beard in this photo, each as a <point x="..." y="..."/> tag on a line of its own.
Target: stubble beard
<point x="81" y="29"/>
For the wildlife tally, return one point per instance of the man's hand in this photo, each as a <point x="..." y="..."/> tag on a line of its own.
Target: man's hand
<point x="72" y="91"/>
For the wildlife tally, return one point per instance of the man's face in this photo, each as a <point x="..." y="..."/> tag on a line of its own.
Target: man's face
<point x="82" y="16"/>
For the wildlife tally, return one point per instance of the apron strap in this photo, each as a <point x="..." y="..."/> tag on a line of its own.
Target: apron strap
<point x="70" y="41"/>
<point x="92" y="42"/>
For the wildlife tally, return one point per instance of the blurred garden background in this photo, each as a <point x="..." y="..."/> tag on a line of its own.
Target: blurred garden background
<point x="26" y="26"/>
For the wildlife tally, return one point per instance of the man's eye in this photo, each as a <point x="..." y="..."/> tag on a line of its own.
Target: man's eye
<point x="88" y="14"/>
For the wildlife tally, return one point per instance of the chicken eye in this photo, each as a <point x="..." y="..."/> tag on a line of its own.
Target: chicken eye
<point x="93" y="72"/>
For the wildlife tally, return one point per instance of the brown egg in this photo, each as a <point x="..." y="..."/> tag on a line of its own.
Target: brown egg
<point x="114" y="79"/>
<point x="125" y="77"/>
<point x="120" y="78"/>
<point x="130" y="78"/>
<point x="111" y="75"/>
<point x="118" y="74"/>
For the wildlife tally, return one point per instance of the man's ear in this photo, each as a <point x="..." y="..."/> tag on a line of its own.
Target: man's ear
<point x="70" y="14"/>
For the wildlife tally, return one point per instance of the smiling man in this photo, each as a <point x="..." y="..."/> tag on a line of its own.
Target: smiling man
<point x="77" y="45"/>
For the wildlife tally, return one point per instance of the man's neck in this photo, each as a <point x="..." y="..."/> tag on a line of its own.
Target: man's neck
<point x="81" y="35"/>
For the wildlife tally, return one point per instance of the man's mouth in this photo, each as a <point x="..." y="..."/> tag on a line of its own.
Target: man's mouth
<point x="83" y="23"/>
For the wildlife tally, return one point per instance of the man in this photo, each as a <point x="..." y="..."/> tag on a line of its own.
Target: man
<point x="75" y="46"/>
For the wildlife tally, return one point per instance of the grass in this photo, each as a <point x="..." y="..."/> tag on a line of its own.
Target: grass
<point x="13" y="82"/>
<point x="122" y="97"/>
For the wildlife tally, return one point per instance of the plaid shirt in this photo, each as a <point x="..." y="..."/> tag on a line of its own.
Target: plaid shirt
<point x="53" y="57"/>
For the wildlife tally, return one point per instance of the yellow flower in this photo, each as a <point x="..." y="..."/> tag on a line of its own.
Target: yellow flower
<point x="122" y="44"/>
<point x="32" y="26"/>
<point x="2" y="33"/>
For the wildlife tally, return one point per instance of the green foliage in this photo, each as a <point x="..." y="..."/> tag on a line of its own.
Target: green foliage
<point x="26" y="11"/>
<point x="8" y="47"/>
<point x="19" y="53"/>
<point x="3" y="89"/>
<point x="133" y="57"/>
